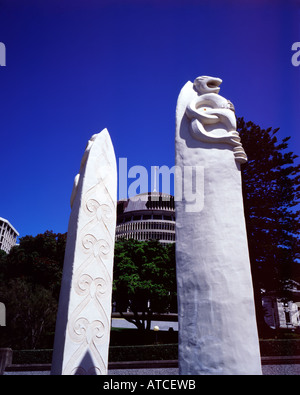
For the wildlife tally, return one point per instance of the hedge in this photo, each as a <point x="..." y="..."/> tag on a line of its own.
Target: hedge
<point x="23" y="357"/>
<point x="274" y="347"/>
<point x="116" y="354"/>
<point x="279" y="347"/>
<point x="143" y="353"/>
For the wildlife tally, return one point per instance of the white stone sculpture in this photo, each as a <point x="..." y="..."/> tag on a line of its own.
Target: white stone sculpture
<point x="217" y="322"/>
<point x="83" y="320"/>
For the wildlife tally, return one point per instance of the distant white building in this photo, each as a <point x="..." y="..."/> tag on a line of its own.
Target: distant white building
<point x="8" y="235"/>
<point x="283" y="312"/>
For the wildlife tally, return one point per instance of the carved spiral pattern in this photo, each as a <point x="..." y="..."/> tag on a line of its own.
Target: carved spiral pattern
<point x="92" y="205"/>
<point x="80" y="328"/>
<point x="83" y="285"/>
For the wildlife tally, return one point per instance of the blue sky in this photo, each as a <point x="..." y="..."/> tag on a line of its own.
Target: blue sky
<point x="76" y="67"/>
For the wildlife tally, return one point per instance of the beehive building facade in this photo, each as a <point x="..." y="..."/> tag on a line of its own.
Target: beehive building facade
<point x="148" y="216"/>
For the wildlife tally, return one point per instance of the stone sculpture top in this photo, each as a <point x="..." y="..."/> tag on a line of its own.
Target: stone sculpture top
<point x="213" y="118"/>
<point x="82" y="164"/>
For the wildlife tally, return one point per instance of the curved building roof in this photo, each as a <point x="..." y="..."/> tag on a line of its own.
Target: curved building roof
<point x="145" y="202"/>
<point x="147" y="216"/>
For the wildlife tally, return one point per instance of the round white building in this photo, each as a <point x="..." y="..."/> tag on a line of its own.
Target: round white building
<point x="147" y="216"/>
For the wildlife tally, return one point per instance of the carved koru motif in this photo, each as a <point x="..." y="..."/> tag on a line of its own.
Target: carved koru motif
<point x="212" y="117"/>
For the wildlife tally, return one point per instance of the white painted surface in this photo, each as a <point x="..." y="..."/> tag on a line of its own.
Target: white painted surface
<point x="217" y="323"/>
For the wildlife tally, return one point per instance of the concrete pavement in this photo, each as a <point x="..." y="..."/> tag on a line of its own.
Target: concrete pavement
<point x="268" y="370"/>
<point x="272" y="365"/>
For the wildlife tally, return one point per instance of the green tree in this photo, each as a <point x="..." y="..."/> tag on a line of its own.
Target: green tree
<point x="31" y="313"/>
<point x="2" y="255"/>
<point x="39" y="259"/>
<point x="144" y="280"/>
<point x="2" y="262"/>
<point x="30" y="277"/>
<point x="271" y="191"/>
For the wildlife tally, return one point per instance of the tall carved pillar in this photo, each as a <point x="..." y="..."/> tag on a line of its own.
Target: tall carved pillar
<point x="83" y="321"/>
<point x="217" y="323"/>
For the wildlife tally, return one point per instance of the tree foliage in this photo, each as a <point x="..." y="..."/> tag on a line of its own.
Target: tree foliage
<point x="39" y="259"/>
<point x="271" y="191"/>
<point x="144" y="279"/>
<point x="30" y="277"/>
<point x="31" y="313"/>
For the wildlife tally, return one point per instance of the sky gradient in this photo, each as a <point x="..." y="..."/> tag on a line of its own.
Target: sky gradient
<point x="74" y="68"/>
